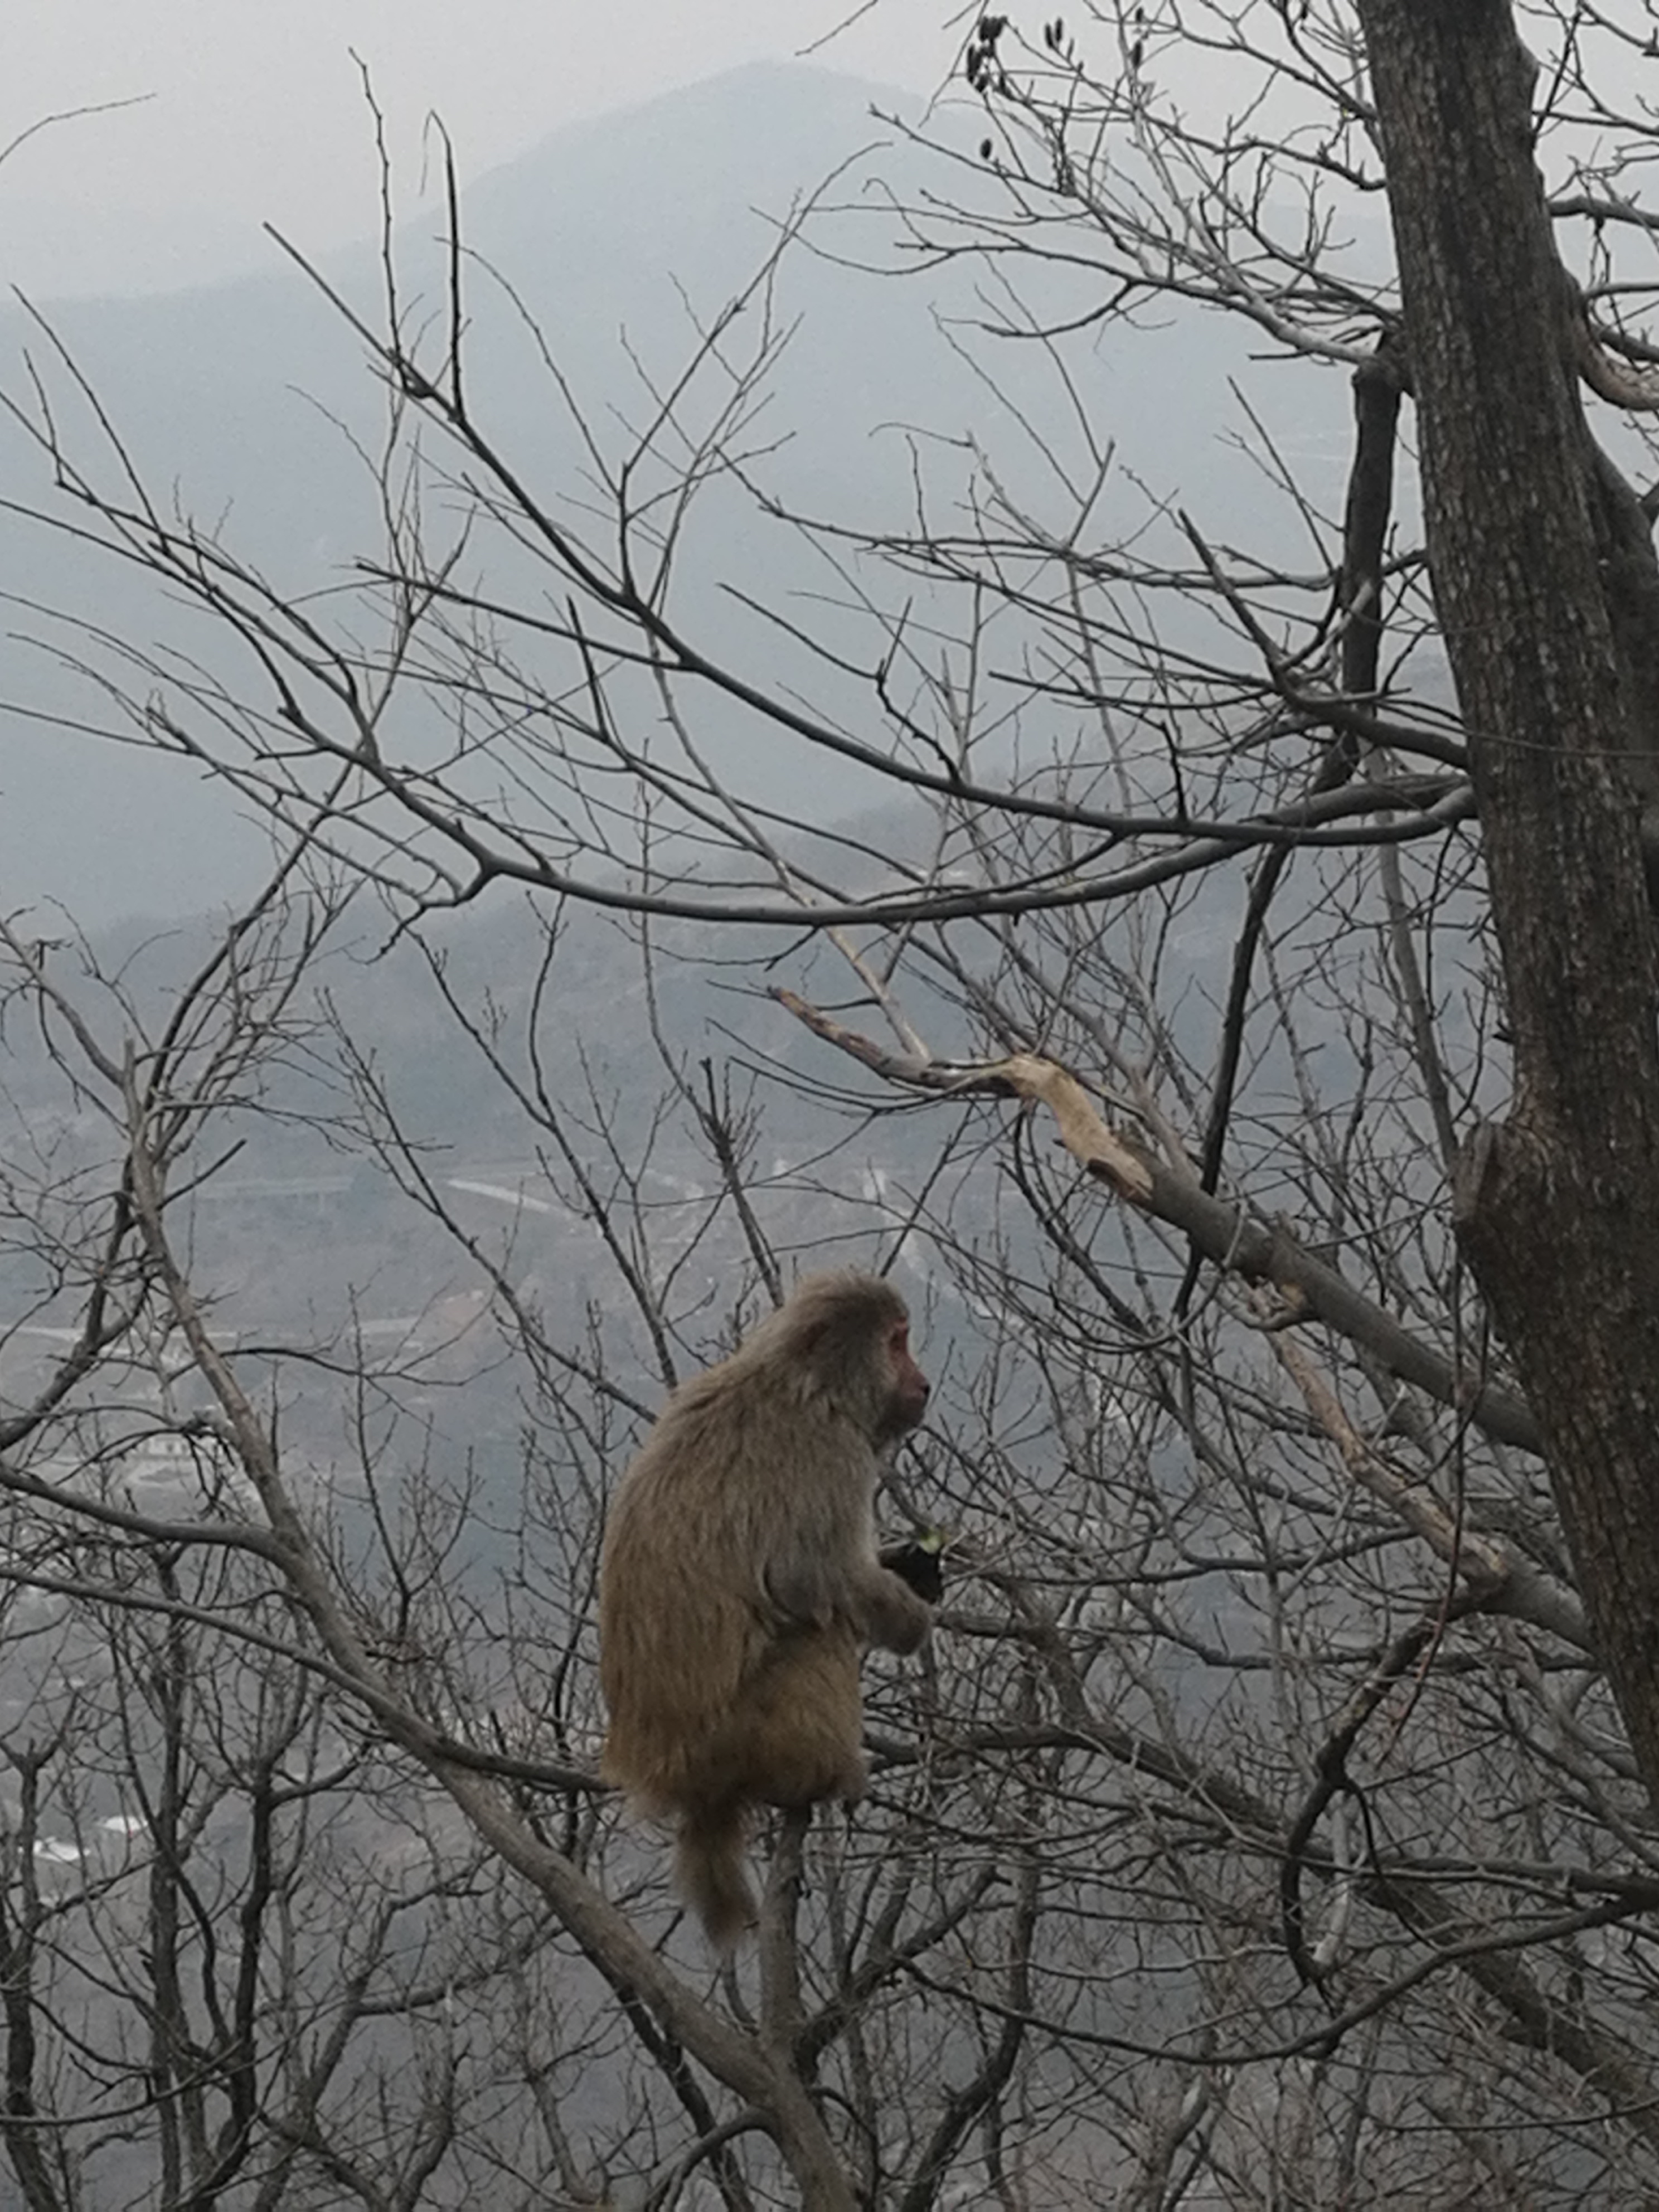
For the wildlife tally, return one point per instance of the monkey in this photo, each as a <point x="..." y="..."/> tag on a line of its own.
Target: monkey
<point x="739" y="1585"/>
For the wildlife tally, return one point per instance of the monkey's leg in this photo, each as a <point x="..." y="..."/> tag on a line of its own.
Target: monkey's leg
<point x="798" y="1734"/>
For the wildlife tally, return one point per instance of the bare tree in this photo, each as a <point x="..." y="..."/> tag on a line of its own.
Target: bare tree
<point x="1274" y="1821"/>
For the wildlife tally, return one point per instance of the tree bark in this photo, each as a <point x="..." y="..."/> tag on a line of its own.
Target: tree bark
<point x="1557" y="1206"/>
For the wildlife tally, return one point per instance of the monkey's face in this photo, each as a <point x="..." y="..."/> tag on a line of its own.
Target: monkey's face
<point x="906" y="1400"/>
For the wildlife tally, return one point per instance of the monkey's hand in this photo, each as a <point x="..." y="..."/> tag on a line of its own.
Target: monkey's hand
<point x="919" y="1564"/>
<point x="888" y="1614"/>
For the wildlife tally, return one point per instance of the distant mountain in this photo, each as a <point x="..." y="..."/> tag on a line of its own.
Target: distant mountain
<point x="617" y="236"/>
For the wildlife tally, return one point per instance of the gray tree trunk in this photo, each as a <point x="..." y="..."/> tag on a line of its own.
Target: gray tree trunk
<point x="1559" y="1206"/>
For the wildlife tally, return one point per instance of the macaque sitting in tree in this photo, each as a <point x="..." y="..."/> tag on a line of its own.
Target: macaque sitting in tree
<point x="739" y="1584"/>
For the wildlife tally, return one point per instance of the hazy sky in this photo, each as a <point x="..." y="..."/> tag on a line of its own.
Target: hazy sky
<point x="254" y="112"/>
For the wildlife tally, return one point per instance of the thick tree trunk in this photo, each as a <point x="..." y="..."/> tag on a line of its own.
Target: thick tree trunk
<point x="1558" y="1206"/>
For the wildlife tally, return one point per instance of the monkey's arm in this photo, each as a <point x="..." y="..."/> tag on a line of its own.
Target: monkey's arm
<point x="817" y="1563"/>
<point x="811" y="1592"/>
<point x="801" y="1587"/>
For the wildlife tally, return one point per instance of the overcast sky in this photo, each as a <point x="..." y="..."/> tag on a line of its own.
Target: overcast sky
<point x="254" y="112"/>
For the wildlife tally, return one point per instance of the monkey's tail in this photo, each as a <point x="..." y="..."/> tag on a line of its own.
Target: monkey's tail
<point x="709" y="1870"/>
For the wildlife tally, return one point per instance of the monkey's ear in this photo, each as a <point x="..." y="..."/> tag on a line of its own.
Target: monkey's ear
<point x="919" y="1564"/>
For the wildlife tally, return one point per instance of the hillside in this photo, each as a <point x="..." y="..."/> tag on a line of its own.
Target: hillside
<point x="248" y="406"/>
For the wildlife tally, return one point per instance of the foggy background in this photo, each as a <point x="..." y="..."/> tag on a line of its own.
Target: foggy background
<point x="246" y="114"/>
<point x="621" y="213"/>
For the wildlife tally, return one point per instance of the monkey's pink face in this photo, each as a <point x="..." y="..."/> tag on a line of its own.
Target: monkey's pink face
<point x="908" y="1401"/>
